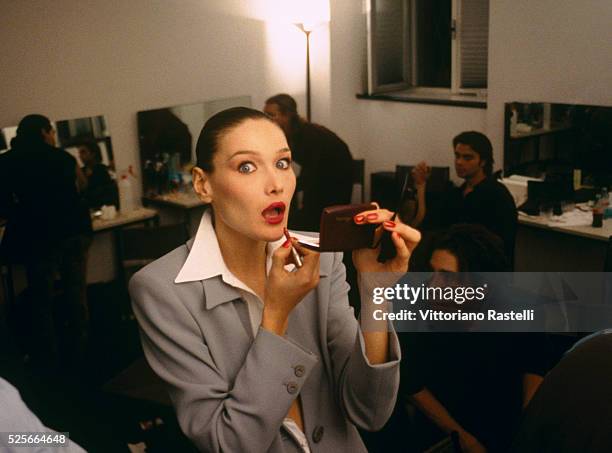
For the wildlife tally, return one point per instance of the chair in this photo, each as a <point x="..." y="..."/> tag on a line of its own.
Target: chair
<point x="438" y="179"/>
<point x="358" y="195"/>
<point x="143" y="245"/>
<point x="140" y="382"/>
<point x="382" y="189"/>
<point x="140" y="246"/>
<point x="437" y="184"/>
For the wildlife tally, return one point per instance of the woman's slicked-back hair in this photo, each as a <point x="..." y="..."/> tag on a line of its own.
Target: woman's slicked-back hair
<point x="216" y="126"/>
<point x="29" y="130"/>
<point x="475" y="247"/>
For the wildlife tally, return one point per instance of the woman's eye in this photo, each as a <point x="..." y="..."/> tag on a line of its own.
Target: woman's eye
<point x="283" y="164"/>
<point x="246" y="167"/>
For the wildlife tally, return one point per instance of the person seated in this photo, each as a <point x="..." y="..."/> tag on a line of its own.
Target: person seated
<point x="481" y="199"/>
<point x="475" y="384"/>
<point x="101" y="189"/>
<point x="572" y="409"/>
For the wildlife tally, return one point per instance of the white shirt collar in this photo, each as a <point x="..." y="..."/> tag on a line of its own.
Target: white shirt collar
<point x="205" y="260"/>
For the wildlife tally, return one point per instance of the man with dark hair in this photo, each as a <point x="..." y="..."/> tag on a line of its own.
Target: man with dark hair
<point x="48" y="230"/>
<point x="325" y="175"/>
<point x="481" y="199"/>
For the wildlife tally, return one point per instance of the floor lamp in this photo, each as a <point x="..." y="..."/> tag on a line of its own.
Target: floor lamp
<point x="307" y="30"/>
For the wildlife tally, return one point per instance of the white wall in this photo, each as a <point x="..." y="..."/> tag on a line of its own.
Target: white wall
<point x="385" y="133"/>
<point x="544" y="51"/>
<point x="548" y="51"/>
<point x="78" y="58"/>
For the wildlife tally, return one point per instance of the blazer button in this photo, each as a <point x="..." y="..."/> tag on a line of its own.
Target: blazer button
<point x="317" y="434"/>
<point x="299" y="370"/>
<point x="292" y="388"/>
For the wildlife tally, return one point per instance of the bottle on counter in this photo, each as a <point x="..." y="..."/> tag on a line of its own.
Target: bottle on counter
<point x="605" y="201"/>
<point x="134" y="182"/>
<point x="513" y="121"/>
<point x="598" y="212"/>
<point x="127" y="201"/>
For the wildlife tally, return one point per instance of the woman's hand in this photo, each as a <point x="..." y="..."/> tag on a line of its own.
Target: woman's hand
<point x="284" y="290"/>
<point x="404" y="238"/>
<point x="420" y="174"/>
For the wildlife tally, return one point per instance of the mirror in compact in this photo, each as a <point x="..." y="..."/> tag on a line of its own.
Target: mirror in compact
<point x="339" y="232"/>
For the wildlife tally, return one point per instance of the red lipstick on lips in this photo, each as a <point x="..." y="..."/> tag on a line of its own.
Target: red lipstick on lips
<point x="275" y="213"/>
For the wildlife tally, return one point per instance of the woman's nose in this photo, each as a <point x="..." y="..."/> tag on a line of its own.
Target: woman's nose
<point x="274" y="183"/>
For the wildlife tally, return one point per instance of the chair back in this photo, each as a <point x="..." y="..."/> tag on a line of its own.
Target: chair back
<point x="145" y="244"/>
<point x="438" y="179"/>
<point x="358" y="195"/>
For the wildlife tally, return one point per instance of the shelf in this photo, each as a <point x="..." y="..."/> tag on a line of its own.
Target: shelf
<point x="539" y="132"/>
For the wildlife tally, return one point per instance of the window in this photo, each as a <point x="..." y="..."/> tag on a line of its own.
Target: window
<point x="428" y="45"/>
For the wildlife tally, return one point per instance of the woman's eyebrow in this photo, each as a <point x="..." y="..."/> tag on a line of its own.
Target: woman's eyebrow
<point x="238" y="153"/>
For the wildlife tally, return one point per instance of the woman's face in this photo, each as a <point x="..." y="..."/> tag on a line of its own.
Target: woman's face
<point x="252" y="182"/>
<point x="444" y="261"/>
<point x="85" y="155"/>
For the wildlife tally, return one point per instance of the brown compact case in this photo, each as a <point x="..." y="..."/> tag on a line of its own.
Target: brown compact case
<point x="339" y="232"/>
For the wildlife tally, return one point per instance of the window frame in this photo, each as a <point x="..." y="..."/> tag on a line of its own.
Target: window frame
<point x="408" y="60"/>
<point x="373" y="85"/>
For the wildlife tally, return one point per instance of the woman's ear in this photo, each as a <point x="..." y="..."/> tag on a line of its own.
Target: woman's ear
<point x="201" y="184"/>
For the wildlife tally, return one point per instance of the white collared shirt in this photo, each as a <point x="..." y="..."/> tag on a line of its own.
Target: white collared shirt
<point x="205" y="261"/>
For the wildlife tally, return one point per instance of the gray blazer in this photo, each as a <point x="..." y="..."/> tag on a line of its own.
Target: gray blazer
<point x="231" y="391"/>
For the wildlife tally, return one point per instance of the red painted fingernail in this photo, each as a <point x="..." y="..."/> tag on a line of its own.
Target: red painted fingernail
<point x="359" y="218"/>
<point x="389" y="224"/>
<point x="286" y="244"/>
<point x="372" y="216"/>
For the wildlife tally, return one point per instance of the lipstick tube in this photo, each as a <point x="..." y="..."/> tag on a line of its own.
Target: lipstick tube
<point x="297" y="259"/>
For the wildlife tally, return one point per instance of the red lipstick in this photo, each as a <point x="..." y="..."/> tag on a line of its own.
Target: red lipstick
<point x="275" y="213"/>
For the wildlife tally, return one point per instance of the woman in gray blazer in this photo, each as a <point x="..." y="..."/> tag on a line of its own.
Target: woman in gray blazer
<point x="259" y="355"/>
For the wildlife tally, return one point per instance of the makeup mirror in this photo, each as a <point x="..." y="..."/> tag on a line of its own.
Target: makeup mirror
<point x="167" y="139"/>
<point x="552" y="141"/>
<point x="73" y="133"/>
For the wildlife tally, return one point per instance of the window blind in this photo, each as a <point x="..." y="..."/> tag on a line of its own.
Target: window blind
<point x="473" y="41"/>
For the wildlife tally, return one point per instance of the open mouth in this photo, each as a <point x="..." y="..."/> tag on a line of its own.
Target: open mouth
<point x="275" y="213"/>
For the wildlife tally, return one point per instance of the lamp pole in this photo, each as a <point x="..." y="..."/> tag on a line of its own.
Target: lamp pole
<point x="308" y="108"/>
<point x="307" y="29"/>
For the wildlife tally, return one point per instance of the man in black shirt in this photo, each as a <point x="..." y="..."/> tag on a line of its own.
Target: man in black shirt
<point x="48" y="230"/>
<point x="326" y="163"/>
<point x="481" y="199"/>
